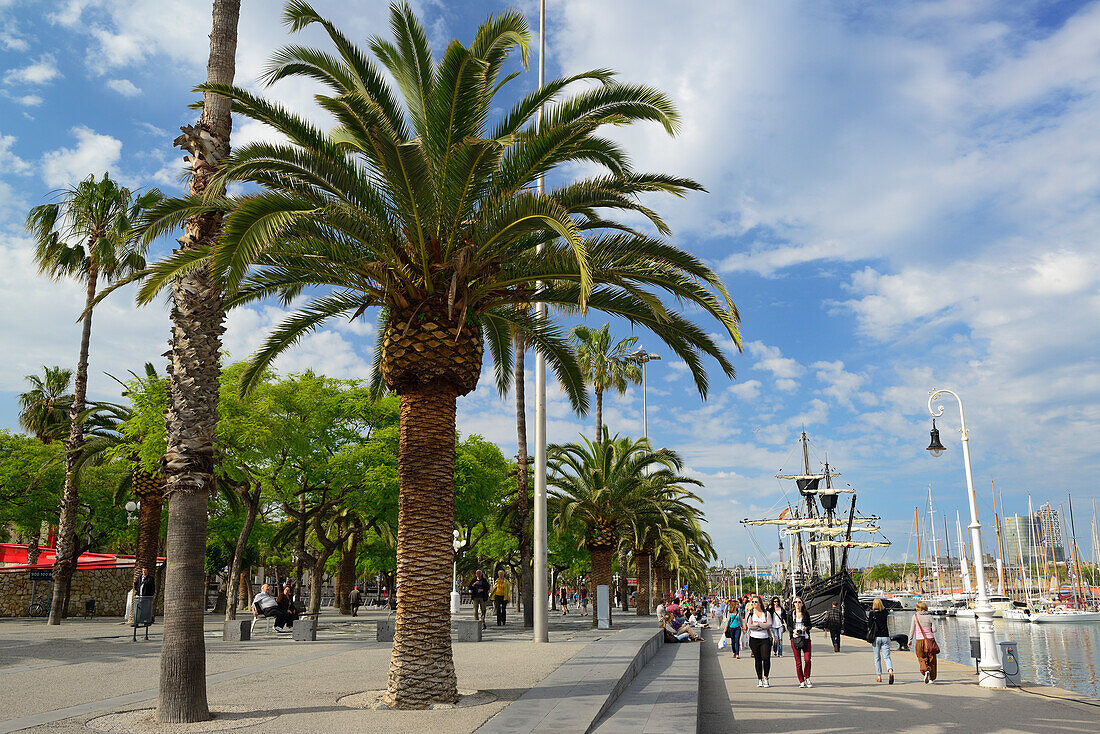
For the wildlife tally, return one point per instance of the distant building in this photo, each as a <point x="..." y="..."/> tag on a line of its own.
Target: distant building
<point x="1035" y="539"/>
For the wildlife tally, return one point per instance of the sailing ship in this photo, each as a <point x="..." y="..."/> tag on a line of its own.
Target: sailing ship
<point x="820" y="545"/>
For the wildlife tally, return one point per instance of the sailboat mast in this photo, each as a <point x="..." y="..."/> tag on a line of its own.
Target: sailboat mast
<point x="829" y="513"/>
<point x="1000" y="546"/>
<point x="920" y="573"/>
<point x="947" y="540"/>
<point x="935" y="544"/>
<point x="1020" y="550"/>
<point x="963" y="565"/>
<point x="1073" y="538"/>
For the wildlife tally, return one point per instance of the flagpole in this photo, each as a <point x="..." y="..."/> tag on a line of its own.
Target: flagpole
<point x="539" y="600"/>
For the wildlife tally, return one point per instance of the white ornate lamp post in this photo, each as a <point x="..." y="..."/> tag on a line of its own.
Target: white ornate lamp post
<point x="989" y="671"/>
<point x="755" y="574"/>
<point x="455" y="596"/>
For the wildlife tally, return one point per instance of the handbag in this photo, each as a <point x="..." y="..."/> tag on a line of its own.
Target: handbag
<point x="931" y="649"/>
<point x="871" y="636"/>
<point x="798" y="642"/>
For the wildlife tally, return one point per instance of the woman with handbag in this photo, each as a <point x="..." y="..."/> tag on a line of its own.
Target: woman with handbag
<point x="733" y="630"/>
<point x="759" y="624"/>
<point x="799" y="625"/>
<point x="923" y="633"/>
<point x="879" y="635"/>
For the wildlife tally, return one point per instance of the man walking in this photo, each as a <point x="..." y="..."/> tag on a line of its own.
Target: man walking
<point x="835" y="624"/>
<point x="355" y="599"/>
<point x="479" y="595"/>
<point x="501" y="590"/>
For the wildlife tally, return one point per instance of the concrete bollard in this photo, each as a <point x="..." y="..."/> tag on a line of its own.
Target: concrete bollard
<point x="385" y="630"/>
<point x="305" y="630"/>
<point x="467" y="630"/>
<point x="237" y="630"/>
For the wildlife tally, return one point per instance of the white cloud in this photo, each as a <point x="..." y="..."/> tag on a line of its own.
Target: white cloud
<point x="841" y="385"/>
<point x="9" y="161"/>
<point x="27" y="100"/>
<point x="94" y="154"/>
<point x="784" y="369"/>
<point x="42" y="71"/>
<point x="125" y="87"/>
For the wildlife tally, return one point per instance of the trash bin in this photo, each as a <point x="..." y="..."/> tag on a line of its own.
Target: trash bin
<point x="1010" y="662"/>
<point x="143" y="614"/>
<point x="976" y="652"/>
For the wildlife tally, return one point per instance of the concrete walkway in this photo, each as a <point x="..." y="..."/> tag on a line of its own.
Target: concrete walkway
<point x="846" y="698"/>
<point x="58" y="679"/>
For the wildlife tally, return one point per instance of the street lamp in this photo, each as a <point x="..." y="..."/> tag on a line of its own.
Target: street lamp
<point x="990" y="675"/>
<point x="455" y="596"/>
<point x="755" y="574"/>
<point x="641" y="356"/>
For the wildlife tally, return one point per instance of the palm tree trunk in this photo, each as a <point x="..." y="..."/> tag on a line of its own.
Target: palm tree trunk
<point x="601" y="576"/>
<point x="345" y="575"/>
<point x="624" y="567"/>
<point x="197" y="321"/>
<point x="641" y="560"/>
<point x="150" y="498"/>
<point x="599" y="416"/>
<point x="183" y="656"/>
<point x="422" y="668"/>
<point x="522" y="507"/>
<point x="65" y="562"/>
<point x="251" y="509"/>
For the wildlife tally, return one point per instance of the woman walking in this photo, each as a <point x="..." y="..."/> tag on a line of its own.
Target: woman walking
<point x="799" y="624"/>
<point x="760" y="640"/>
<point x="777" y="626"/>
<point x="876" y="620"/>
<point x="733" y="629"/>
<point x="921" y="630"/>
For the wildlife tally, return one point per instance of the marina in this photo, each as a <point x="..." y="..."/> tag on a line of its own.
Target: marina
<point x="1062" y="655"/>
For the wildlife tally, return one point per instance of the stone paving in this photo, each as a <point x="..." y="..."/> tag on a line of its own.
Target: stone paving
<point x="68" y="678"/>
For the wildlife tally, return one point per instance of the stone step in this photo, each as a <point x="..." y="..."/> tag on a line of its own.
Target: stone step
<point x="663" y="698"/>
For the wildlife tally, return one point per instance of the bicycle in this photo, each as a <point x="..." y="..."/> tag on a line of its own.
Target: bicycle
<point x="39" y="609"/>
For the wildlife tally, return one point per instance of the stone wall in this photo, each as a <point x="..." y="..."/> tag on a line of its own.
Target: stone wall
<point x="108" y="586"/>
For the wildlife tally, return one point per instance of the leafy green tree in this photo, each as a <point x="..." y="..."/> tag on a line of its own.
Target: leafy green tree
<point x="422" y="206"/>
<point x="86" y="234"/>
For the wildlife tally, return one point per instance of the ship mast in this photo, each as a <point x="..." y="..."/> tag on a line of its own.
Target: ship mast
<point x="935" y="544"/>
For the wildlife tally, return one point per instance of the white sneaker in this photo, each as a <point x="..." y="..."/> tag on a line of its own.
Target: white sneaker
<point x="760" y="683"/>
<point x="809" y="684"/>
<point x="766" y="684"/>
<point x="802" y="684"/>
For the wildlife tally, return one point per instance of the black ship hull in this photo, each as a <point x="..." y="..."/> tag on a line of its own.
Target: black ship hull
<point x="819" y="595"/>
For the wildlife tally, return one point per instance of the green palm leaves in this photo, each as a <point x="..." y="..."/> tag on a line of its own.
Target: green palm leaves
<point x="606" y="367"/>
<point x="89" y="226"/>
<point x="420" y="202"/>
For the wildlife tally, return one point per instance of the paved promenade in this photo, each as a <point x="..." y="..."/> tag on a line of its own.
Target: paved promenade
<point x="70" y="679"/>
<point x="64" y="679"/>
<point x="846" y="698"/>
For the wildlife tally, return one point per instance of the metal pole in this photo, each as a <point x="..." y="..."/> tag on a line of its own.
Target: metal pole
<point x="990" y="675"/>
<point x="541" y="632"/>
<point x="645" y="407"/>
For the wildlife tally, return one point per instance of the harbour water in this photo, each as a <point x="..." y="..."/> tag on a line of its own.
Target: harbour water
<point x="1063" y="655"/>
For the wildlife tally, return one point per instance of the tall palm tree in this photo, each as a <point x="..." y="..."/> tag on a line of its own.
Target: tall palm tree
<point x="197" y="315"/>
<point x="421" y="206"/>
<point x="44" y="412"/>
<point x="44" y="408"/>
<point x="85" y="234"/>
<point x="605" y="367"/>
<point x="604" y="486"/>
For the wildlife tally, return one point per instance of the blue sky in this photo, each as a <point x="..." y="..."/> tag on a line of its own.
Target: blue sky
<point x="901" y="195"/>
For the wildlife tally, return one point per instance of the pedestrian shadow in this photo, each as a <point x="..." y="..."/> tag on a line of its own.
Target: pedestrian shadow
<point x="715" y="714"/>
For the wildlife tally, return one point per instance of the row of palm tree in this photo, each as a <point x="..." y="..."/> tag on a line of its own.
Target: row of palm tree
<point x="418" y="207"/>
<point x="629" y="497"/>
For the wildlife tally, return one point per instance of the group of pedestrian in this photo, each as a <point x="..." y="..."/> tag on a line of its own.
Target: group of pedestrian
<point x="762" y="622"/>
<point x="578" y="598"/>
<point x="481" y="591"/>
